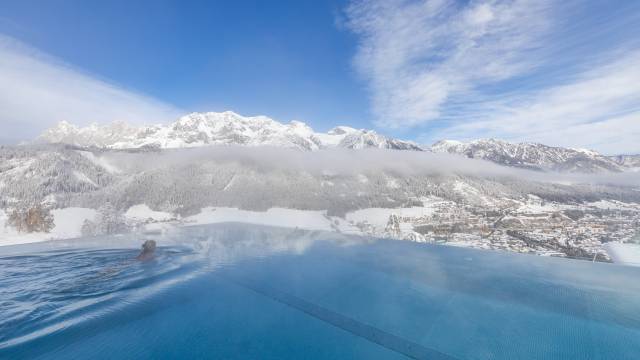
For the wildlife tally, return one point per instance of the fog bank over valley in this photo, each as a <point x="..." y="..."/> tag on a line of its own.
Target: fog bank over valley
<point x="346" y="162"/>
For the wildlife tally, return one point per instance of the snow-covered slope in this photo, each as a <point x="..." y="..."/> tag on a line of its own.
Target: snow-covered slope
<point x="531" y="155"/>
<point x="226" y="128"/>
<point x="30" y="174"/>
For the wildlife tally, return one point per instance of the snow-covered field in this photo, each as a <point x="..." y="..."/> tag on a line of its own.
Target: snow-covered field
<point x="304" y="219"/>
<point x="68" y="222"/>
<point x="612" y="205"/>
<point x="142" y="212"/>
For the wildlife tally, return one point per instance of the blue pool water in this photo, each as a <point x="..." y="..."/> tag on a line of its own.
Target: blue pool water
<point x="235" y="291"/>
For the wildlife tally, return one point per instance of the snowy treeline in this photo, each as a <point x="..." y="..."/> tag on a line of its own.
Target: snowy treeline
<point x="29" y="174"/>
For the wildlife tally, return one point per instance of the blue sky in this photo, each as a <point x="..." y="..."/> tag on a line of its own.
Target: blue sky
<point x="562" y="73"/>
<point x="284" y="59"/>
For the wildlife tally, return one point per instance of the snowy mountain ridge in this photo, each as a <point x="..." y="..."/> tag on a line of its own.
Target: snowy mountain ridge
<point x="224" y="128"/>
<point x="532" y="155"/>
<point x="229" y="128"/>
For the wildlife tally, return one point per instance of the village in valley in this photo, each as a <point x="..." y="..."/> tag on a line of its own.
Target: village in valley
<point x="535" y="226"/>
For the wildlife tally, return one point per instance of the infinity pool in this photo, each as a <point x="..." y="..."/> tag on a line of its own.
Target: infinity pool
<point x="233" y="291"/>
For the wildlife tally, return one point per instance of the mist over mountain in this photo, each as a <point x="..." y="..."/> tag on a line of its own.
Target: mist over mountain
<point x="185" y="180"/>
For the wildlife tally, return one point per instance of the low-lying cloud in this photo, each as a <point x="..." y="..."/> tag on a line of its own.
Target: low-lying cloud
<point x="345" y="162"/>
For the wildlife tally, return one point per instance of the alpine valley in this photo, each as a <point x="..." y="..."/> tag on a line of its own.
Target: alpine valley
<point x="217" y="167"/>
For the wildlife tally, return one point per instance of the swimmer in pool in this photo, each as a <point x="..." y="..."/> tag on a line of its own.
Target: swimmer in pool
<point x="148" y="248"/>
<point x="147" y="253"/>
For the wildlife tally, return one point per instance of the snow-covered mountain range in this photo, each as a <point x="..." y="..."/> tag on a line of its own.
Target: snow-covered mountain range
<point x="229" y="128"/>
<point x="535" y="156"/>
<point x="225" y="128"/>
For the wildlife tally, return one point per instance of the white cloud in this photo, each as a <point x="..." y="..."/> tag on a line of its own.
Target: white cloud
<point x="521" y="70"/>
<point x="420" y="55"/>
<point x="598" y="109"/>
<point x="344" y="162"/>
<point x="37" y="90"/>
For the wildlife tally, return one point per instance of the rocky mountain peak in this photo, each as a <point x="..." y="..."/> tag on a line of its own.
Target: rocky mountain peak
<point x="219" y="128"/>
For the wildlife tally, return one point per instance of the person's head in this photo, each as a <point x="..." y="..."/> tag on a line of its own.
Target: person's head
<point x="148" y="246"/>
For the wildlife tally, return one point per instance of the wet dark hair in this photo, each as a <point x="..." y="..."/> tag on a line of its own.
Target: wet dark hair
<point x="148" y="248"/>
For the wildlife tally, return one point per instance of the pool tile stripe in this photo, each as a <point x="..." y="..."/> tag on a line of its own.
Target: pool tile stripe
<point x="355" y="327"/>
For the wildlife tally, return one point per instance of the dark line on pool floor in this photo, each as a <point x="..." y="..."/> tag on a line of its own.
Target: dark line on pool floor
<point x="355" y="327"/>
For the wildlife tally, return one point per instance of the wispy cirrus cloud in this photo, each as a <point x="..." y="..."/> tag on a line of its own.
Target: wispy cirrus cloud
<point x="37" y="90"/>
<point x="421" y="55"/>
<point x="561" y="73"/>
<point x="598" y="109"/>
